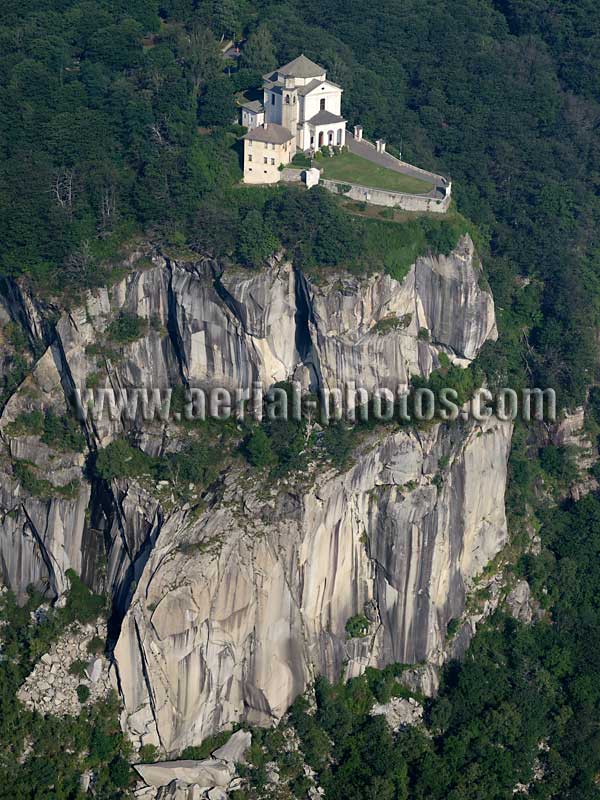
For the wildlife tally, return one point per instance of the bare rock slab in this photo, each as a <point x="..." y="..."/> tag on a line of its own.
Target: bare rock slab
<point x="207" y="773"/>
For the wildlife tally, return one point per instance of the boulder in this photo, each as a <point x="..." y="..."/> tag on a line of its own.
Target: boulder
<point x="399" y="712"/>
<point x="233" y="751"/>
<point x="206" y="773"/>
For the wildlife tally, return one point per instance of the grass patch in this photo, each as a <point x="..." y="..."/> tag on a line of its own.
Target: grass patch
<point x="353" y="168"/>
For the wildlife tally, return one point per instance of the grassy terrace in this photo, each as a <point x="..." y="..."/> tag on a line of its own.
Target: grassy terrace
<point x="350" y="168"/>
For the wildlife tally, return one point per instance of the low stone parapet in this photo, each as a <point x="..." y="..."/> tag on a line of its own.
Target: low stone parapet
<point x="383" y="197"/>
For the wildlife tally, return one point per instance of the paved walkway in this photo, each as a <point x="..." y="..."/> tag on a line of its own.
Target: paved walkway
<point x="366" y="150"/>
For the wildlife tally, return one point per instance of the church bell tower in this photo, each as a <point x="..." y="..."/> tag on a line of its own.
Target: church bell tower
<point x="289" y="107"/>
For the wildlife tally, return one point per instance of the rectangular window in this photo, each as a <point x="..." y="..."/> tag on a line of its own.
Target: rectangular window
<point x="273" y="161"/>
<point x="273" y="99"/>
<point x="266" y="160"/>
<point x="322" y="104"/>
<point x="250" y="157"/>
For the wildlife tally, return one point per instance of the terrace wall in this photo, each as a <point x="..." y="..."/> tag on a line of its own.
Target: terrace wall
<point x="382" y="197"/>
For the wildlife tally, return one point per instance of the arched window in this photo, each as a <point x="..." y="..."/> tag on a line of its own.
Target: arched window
<point x="287" y="99"/>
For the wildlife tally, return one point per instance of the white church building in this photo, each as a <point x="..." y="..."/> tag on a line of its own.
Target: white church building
<point x="299" y="99"/>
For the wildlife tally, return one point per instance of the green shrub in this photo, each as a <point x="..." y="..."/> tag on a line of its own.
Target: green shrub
<point x="197" y="463"/>
<point x="357" y="626"/>
<point x="27" y="424"/>
<point x="25" y="473"/>
<point x="93" y="380"/>
<point x="78" y="668"/>
<point x="452" y="628"/>
<point x="96" y="645"/>
<point x="208" y="746"/>
<point x="120" y="460"/>
<point x="559" y="463"/>
<point x="120" y="772"/>
<point x="148" y="753"/>
<point x="59" y="432"/>
<point x="82" y="604"/>
<point x="63" y="433"/>
<point x="392" y="323"/>
<point x="339" y="440"/>
<point x="83" y="693"/>
<point x="127" y="328"/>
<point x="259" y="450"/>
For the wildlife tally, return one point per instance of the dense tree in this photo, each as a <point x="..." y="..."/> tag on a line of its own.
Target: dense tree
<point x="217" y="106"/>
<point x="259" y="51"/>
<point x="259" y="450"/>
<point x="256" y="240"/>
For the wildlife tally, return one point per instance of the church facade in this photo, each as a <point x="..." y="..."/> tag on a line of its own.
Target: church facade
<point x="299" y="98"/>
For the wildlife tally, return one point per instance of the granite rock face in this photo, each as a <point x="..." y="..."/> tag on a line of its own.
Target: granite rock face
<point x="226" y="612"/>
<point x="207" y="328"/>
<point x="236" y="611"/>
<point x="379" y="332"/>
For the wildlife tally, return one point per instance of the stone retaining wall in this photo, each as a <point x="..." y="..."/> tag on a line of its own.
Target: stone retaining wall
<point x="382" y="197"/>
<point x="290" y="175"/>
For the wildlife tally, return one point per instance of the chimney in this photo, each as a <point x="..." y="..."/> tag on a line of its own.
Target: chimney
<point x="358" y="133"/>
<point x="380" y="145"/>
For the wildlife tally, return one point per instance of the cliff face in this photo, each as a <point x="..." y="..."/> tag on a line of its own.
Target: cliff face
<point x="228" y="613"/>
<point x="379" y="332"/>
<point x="237" y="611"/>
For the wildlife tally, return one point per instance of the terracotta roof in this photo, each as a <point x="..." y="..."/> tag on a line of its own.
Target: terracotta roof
<point x="272" y="133"/>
